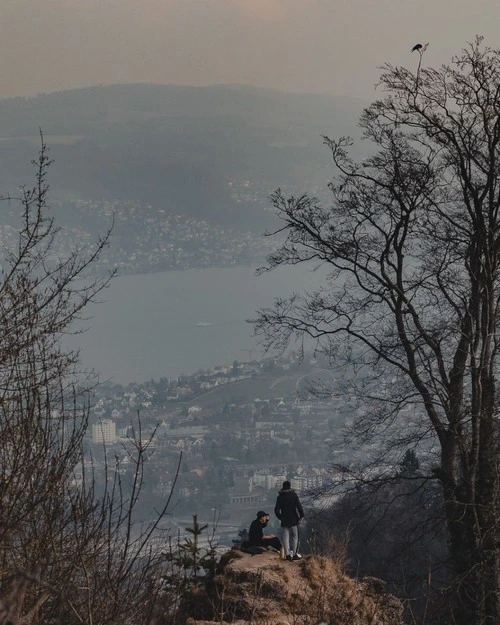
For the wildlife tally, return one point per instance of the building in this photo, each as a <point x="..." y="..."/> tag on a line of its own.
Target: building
<point x="305" y="480"/>
<point x="268" y="479"/>
<point x="104" y="431"/>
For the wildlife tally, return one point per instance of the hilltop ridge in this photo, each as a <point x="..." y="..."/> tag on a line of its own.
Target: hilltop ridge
<point x="212" y="153"/>
<point x="85" y="109"/>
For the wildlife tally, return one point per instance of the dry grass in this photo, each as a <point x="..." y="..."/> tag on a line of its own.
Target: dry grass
<point x="264" y="590"/>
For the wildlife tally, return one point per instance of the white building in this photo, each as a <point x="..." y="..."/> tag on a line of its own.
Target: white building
<point x="266" y="478"/>
<point x="306" y="480"/>
<point x="104" y="431"/>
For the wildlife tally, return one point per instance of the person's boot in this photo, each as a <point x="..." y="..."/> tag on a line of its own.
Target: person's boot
<point x="282" y="553"/>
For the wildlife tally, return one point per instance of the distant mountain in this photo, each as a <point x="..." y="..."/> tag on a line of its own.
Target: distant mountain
<point x="214" y="153"/>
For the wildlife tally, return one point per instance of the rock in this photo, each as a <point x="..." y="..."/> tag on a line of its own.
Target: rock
<point x="267" y="590"/>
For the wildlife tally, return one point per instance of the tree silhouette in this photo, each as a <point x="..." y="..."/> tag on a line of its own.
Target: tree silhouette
<point x="411" y="245"/>
<point x="409" y="465"/>
<point x="67" y="554"/>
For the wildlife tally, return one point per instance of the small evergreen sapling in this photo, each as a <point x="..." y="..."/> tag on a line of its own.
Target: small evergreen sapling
<point x="192" y="558"/>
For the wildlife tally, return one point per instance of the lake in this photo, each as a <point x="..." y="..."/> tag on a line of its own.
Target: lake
<point x="175" y="322"/>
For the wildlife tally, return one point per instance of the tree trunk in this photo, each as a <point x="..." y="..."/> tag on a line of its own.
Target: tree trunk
<point x="473" y="535"/>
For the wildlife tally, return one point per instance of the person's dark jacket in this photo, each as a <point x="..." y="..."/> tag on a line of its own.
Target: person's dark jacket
<point x="255" y="533"/>
<point x="288" y="508"/>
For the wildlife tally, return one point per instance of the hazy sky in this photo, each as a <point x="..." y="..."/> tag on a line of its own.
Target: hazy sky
<point x="330" y="46"/>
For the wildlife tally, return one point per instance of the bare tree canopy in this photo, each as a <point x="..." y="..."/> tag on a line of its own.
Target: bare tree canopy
<point x="411" y="241"/>
<point x="67" y="553"/>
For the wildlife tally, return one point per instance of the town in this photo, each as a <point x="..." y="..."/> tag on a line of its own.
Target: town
<point x="146" y="239"/>
<point x="237" y="431"/>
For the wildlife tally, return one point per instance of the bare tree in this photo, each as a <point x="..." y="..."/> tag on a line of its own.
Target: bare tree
<point x="67" y="554"/>
<point x="411" y="242"/>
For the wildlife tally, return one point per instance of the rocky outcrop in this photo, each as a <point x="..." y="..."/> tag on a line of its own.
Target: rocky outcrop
<point x="263" y="589"/>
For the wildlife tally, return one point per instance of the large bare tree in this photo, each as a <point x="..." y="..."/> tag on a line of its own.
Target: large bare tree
<point x="411" y="242"/>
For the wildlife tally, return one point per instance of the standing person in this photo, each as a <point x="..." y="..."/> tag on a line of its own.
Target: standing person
<point x="256" y="537"/>
<point x="289" y="511"/>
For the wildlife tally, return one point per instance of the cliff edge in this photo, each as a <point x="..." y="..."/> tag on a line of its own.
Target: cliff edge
<point x="263" y="589"/>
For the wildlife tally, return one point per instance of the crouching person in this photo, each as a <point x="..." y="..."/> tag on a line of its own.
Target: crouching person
<point x="256" y="536"/>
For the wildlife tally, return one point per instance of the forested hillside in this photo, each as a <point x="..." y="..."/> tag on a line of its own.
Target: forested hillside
<point x="214" y="153"/>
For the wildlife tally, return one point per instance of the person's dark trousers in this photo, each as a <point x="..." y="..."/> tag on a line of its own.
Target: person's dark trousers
<point x="272" y="542"/>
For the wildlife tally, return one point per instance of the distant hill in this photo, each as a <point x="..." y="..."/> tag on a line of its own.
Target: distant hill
<point x="209" y="152"/>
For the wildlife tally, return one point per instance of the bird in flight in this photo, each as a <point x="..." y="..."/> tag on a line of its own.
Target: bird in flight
<point x="418" y="46"/>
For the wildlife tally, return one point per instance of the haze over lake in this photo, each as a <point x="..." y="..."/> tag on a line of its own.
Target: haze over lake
<point x="174" y="322"/>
